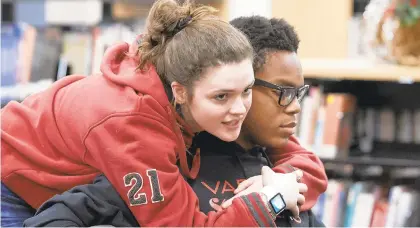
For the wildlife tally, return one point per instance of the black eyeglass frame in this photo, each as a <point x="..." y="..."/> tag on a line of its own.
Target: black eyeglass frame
<point x="282" y="89"/>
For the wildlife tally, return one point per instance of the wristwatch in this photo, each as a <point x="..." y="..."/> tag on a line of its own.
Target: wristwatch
<point x="274" y="201"/>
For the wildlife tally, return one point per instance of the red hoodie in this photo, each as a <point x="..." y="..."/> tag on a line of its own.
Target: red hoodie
<point x="119" y="123"/>
<point x="314" y="175"/>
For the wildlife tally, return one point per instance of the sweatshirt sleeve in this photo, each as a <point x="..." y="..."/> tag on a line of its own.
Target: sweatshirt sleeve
<point x="137" y="153"/>
<point x="314" y="176"/>
<point x="84" y="206"/>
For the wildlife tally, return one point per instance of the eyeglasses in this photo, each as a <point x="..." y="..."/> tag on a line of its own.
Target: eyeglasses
<point x="286" y="94"/>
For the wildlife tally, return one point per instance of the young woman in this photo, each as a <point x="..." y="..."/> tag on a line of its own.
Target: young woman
<point x="227" y="169"/>
<point x="122" y="123"/>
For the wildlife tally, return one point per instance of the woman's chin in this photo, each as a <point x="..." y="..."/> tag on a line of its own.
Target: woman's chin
<point x="227" y="136"/>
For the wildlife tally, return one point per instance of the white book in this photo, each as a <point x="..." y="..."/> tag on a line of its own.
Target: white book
<point x="394" y="198"/>
<point x="305" y="122"/>
<point x="386" y="125"/>
<point x="62" y="12"/>
<point x="363" y="210"/>
<point x="405" y="127"/>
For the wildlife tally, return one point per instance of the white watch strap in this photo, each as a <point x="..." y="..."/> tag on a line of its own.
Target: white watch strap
<point x="268" y="193"/>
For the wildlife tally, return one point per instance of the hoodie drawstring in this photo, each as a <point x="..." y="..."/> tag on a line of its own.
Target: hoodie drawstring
<point x="184" y="139"/>
<point x="241" y="164"/>
<point x="264" y="154"/>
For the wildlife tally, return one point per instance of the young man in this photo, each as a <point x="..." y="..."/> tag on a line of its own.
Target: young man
<point x="270" y="123"/>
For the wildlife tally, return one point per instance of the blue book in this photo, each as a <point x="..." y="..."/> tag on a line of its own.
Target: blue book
<point x="353" y="194"/>
<point x="11" y="35"/>
<point x="31" y="12"/>
<point x="318" y="208"/>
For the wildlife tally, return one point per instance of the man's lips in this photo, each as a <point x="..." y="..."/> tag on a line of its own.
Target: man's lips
<point x="289" y="125"/>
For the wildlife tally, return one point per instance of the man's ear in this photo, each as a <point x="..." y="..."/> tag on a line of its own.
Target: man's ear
<point x="180" y="92"/>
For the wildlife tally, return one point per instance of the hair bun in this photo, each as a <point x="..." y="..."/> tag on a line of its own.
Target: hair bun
<point x="181" y="24"/>
<point x="166" y="19"/>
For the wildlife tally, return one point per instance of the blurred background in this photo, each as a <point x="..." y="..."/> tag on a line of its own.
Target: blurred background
<point x="362" y="58"/>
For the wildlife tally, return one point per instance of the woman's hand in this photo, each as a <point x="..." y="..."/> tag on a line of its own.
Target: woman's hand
<point x="289" y="187"/>
<point x="286" y="184"/>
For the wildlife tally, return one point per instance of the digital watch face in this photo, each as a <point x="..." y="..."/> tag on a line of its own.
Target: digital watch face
<point x="277" y="203"/>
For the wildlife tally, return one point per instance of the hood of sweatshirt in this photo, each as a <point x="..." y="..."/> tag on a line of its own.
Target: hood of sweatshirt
<point x="120" y="65"/>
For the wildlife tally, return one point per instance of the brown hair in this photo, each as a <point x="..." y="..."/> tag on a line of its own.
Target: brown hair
<point x="183" y="40"/>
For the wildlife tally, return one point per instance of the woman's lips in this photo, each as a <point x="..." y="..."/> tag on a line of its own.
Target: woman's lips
<point x="233" y="124"/>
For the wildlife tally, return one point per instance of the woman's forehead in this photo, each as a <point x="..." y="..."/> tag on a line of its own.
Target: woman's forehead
<point x="228" y="77"/>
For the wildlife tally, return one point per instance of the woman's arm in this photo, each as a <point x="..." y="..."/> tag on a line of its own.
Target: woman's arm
<point x="100" y="204"/>
<point x="314" y="176"/>
<point x="137" y="153"/>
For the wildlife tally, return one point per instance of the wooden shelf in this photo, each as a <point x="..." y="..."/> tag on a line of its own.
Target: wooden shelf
<point x="385" y="154"/>
<point x="358" y="69"/>
<point x="375" y="161"/>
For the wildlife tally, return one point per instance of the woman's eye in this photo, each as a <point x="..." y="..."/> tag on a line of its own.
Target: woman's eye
<point x="247" y="91"/>
<point x="221" y="97"/>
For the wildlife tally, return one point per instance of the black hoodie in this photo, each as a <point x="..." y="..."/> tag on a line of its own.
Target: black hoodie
<point x="223" y="166"/>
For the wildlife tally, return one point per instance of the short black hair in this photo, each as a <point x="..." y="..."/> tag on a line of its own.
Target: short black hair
<point x="267" y="35"/>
